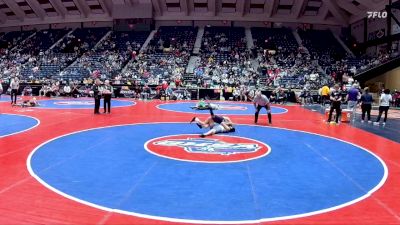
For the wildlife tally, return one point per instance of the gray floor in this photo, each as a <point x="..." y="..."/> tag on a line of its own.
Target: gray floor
<point x="390" y="131"/>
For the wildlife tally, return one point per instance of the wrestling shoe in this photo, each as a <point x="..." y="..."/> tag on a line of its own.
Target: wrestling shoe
<point x="202" y="135"/>
<point x="232" y="130"/>
<point x="193" y="119"/>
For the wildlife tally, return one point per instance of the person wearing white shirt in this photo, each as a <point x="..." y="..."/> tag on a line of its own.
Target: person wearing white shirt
<point x="384" y="104"/>
<point x="107" y="94"/>
<point x="262" y="101"/>
<point x="14" y="85"/>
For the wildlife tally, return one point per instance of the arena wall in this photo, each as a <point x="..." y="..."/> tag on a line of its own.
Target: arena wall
<point x="390" y="79"/>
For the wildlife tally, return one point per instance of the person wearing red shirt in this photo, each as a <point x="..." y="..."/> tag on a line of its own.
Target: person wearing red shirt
<point x="164" y="85"/>
<point x="178" y="82"/>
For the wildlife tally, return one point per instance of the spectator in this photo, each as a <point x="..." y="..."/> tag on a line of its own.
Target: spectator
<point x="384" y="104"/>
<point x="366" y="105"/>
<point x="352" y="97"/>
<point x="336" y="98"/>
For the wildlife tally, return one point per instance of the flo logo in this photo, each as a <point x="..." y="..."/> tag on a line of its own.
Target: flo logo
<point x="215" y="149"/>
<point x="74" y="103"/>
<point x="377" y="14"/>
<point x="210" y="146"/>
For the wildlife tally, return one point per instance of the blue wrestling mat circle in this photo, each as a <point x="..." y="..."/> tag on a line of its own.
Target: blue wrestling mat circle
<point x="225" y="108"/>
<point x="13" y="124"/>
<point x="80" y="103"/>
<point x="304" y="174"/>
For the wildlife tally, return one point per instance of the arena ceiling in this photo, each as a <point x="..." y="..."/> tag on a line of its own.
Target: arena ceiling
<point x="336" y="12"/>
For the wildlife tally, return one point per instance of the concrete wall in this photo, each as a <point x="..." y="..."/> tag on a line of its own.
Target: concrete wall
<point x="173" y="23"/>
<point x="9" y="29"/>
<point x="217" y="23"/>
<point x="66" y="25"/>
<point x="251" y="24"/>
<point x="37" y="27"/>
<point x="390" y="79"/>
<point x="98" y="24"/>
<point x="357" y="31"/>
<point x="335" y="29"/>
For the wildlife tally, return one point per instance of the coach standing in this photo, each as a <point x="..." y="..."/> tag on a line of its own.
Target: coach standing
<point x="107" y="93"/>
<point x="97" y="95"/>
<point x="261" y="101"/>
<point x="336" y="99"/>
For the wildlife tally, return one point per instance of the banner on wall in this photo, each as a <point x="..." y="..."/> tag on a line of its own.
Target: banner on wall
<point x="376" y="34"/>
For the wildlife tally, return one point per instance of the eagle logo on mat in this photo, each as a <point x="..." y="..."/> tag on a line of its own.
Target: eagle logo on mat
<point x="215" y="149"/>
<point x="210" y="146"/>
<point x="74" y="103"/>
<point x="232" y="107"/>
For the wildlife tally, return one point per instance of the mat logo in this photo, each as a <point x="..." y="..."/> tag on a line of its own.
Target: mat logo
<point x="210" y="146"/>
<point x="74" y="103"/>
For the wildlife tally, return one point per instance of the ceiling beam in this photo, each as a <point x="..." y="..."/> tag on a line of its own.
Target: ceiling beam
<point x="368" y="3"/>
<point x="37" y="8"/>
<point x="190" y="5"/>
<point x="336" y="11"/>
<point x="185" y="7"/>
<point x="269" y="7"/>
<point x="298" y="7"/>
<point x="59" y="7"/>
<point x="128" y="2"/>
<point x="3" y="17"/>
<point x="349" y="7"/>
<point x="105" y="7"/>
<point x="82" y="7"/>
<point x="323" y="12"/>
<point x="248" y="18"/>
<point x="15" y="8"/>
<point x="157" y="7"/>
<point x="212" y="7"/>
<point x="240" y="7"/>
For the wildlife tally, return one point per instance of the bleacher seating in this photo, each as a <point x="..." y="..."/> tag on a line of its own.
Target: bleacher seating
<point x="166" y="57"/>
<point x="81" y="40"/>
<point x="181" y="38"/>
<point x="42" y="41"/>
<point x="110" y="56"/>
<point x="221" y="42"/>
<point x="13" y="38"/>
<point x="322" y="45"/>
<point x="282" y="62"/>
<point x="281" y="39"/>
<point x="124" y="41"/>
<point x="224" y="59"/>
<point x="48" y="65"/>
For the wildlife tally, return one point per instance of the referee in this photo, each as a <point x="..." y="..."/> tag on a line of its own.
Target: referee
<point x="261" y="101"/>
<point x="107" y="93"/>
<point x="97" y="95"/>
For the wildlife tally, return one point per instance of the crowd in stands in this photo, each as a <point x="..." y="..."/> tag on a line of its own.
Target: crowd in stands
<point x="165" y="58"/>
<point x="275" y="62"/>
<point x="283" y="62"/>
<point x="225" y="61"/>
